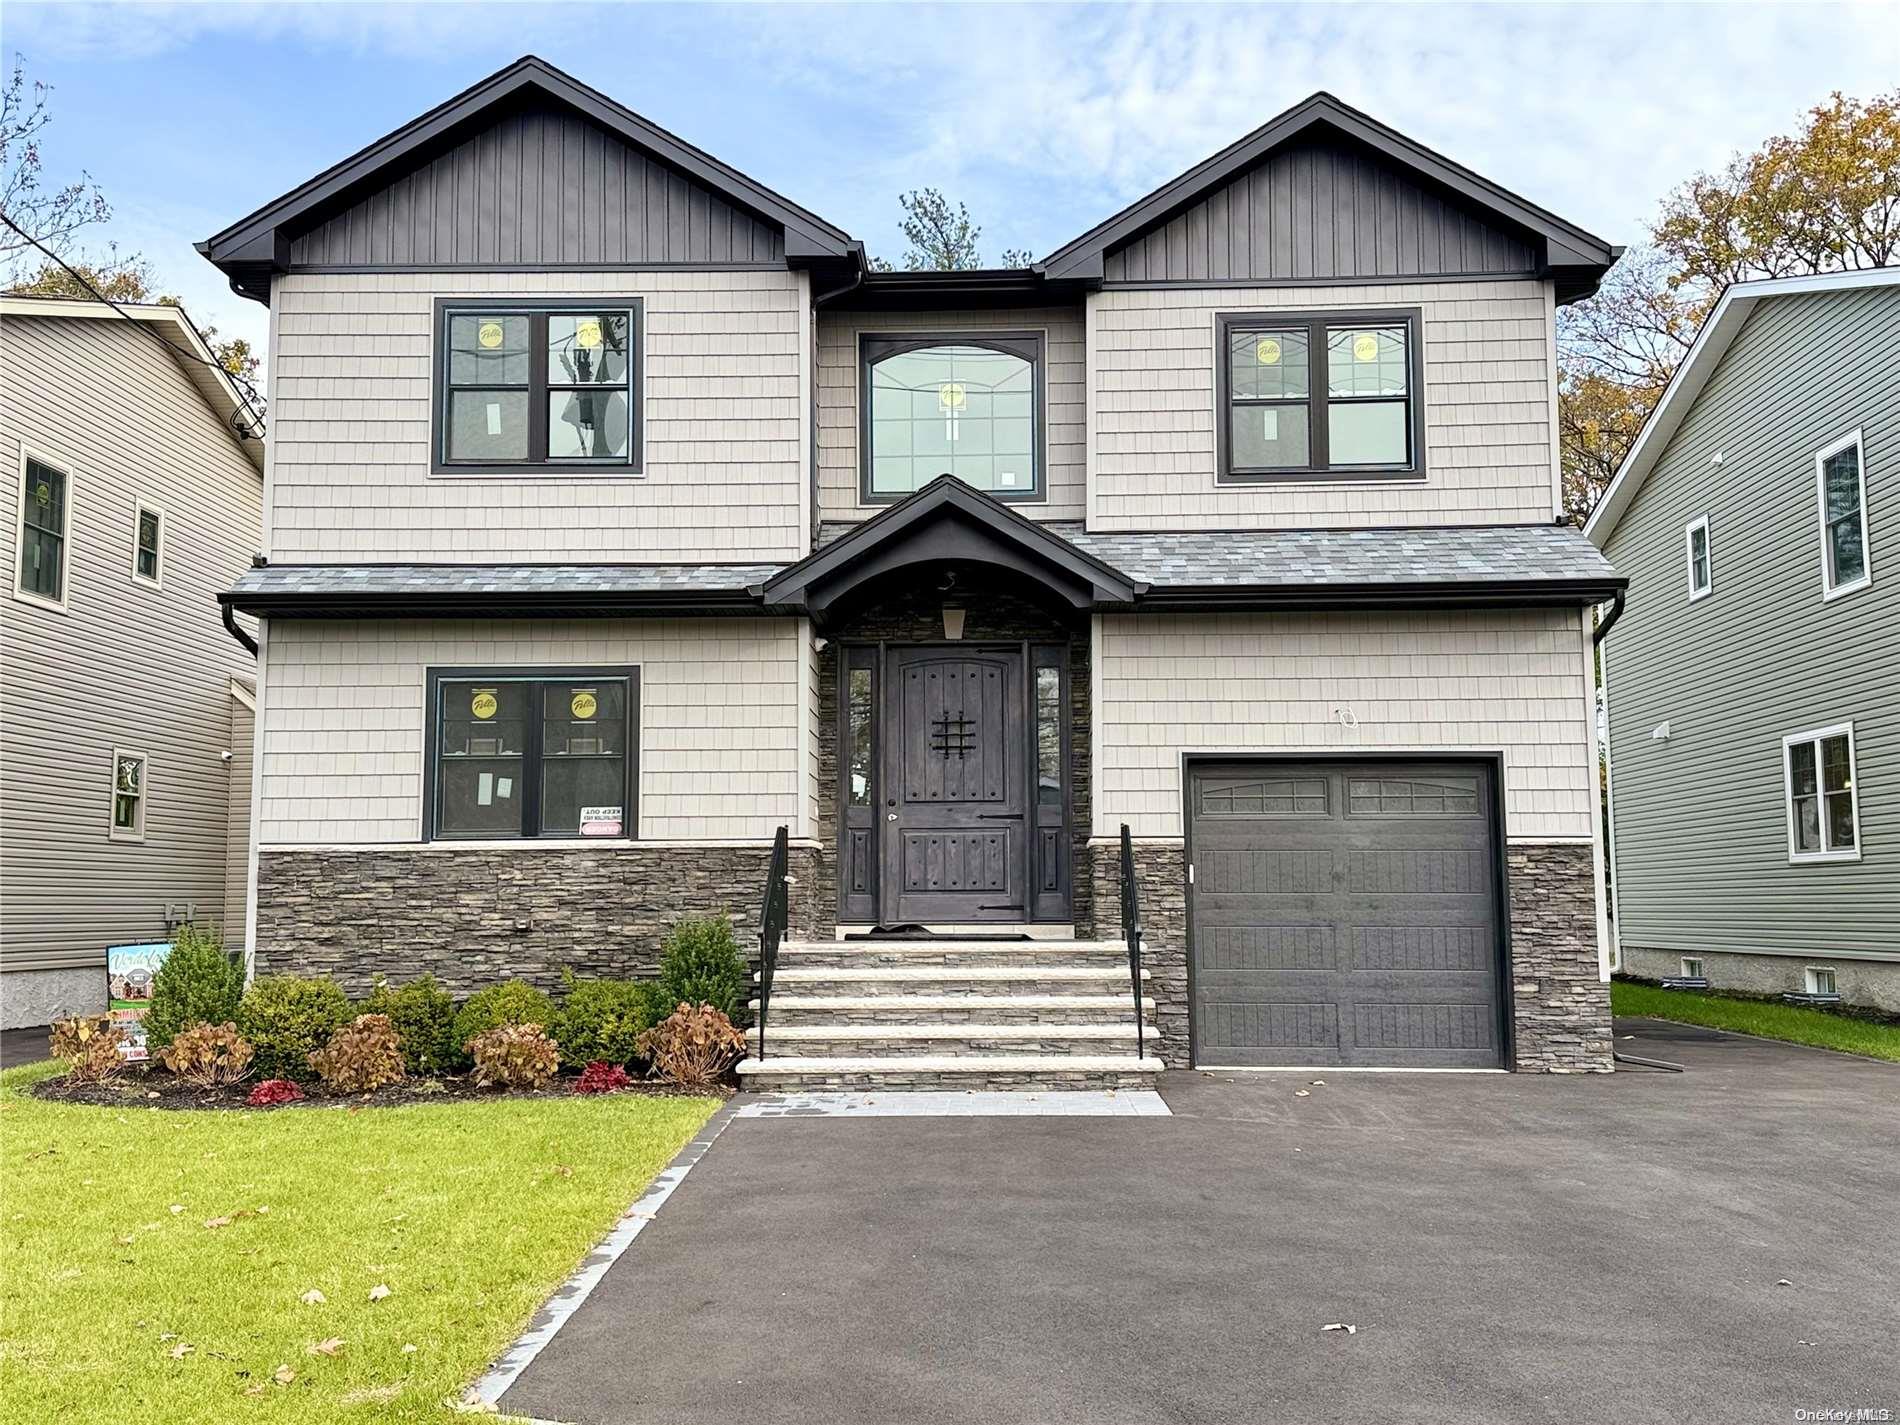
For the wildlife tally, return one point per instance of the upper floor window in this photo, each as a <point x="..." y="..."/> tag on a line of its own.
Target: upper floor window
<point x="531" y="755"/>
<point x="1319" y="395"/>
<point x="1843" y="492"/>
<point x="128" y="796"/>
<point x="40" y="572"/>
<point x="966" y="406"/>
<point x="538" y="387"/>
<point x="148" y="542"/>
<point x="1823" y="803"/>
<point x="1701" y="570"/>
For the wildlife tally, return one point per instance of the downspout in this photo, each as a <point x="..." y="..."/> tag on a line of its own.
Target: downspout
<point x="1606" y="624"/>
<point x="236" y="631"/>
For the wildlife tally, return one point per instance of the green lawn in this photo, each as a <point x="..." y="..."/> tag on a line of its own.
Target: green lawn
<point x="1793" y="1022"/>
<point x="470" y="1213"/>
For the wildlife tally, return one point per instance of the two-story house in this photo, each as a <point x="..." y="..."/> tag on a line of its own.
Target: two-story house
<point x="620" y="515"/>
<point x="132" y="472"/>
<point x="1754" y="685"/>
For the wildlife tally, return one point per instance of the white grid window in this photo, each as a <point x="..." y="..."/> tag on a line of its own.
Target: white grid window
<point x="128" y="796"/>
<point x="1823" y="802"/>
<point x="1695" y="539"/>
<point x="1841" y="477"/>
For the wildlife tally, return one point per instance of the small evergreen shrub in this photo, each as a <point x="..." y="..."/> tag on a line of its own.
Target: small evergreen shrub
<point x="514" y="1056"/>
<point x="514" y="1002"/>
<point x="424" y="1016"/>
<point x="701" y="964"/>
<point x="197" y="984"/>
<point x="208" y="1055"/>
<point x="693" y="1046"/>
<point x="603" y="1019"/>
<point x="272" y="1092"/>
<point x="89" y="1045"/>
<point x="598" y="1077"/>
<point x="286" y="1017"/>
<point x="361" y="1057"/>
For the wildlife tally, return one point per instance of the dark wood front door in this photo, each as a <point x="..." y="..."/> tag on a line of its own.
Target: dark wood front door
<point x="955" y="784"/>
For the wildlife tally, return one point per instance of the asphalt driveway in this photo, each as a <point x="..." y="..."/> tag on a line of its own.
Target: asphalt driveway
<point x="1718" y="1245"/>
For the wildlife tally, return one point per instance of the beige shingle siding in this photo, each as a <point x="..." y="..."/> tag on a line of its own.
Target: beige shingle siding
<point x="1509" y="681"/>
<point x="344" y="720"/>
<point x="1064" y="377"/>
<point x="126" y="666"/>
<point x="1701" y="833"/>
<point x="351" y="437"/>
<point x="1488" y="435"/>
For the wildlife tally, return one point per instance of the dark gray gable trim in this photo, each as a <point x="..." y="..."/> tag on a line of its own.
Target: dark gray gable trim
<point x="258" y="244"/>
<point x="947" y="519"/>
<point x="1566" y="245"/>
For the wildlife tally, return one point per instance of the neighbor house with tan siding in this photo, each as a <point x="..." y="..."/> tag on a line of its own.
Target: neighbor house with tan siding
<point x="133" y="472"/>
<point x="636" y="550"/>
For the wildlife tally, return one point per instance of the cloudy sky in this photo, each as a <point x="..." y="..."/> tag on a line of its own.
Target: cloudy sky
<point x="1043" y="119"/>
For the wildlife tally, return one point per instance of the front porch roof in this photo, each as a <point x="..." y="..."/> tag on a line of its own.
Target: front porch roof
<point x="947" y="520"/>
<point x="1467" y="566"/>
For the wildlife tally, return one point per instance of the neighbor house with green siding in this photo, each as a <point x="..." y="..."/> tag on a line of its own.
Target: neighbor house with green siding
<point x="1753" y="684"/>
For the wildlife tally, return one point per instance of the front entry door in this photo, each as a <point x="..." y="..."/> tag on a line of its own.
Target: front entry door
<point x="954" y="830"/>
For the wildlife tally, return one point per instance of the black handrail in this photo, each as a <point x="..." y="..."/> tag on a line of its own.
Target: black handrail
<point x="1131" y="933"/>
<point x="774" y="912"/>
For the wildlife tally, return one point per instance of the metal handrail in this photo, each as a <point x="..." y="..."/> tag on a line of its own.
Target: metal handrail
<point x="1131" y="933"/>
<point x="774" y="913"/>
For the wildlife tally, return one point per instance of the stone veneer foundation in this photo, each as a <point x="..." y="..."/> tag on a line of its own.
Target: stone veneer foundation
<point x="473" y="917"/>
<point x="1560" y="1007"/>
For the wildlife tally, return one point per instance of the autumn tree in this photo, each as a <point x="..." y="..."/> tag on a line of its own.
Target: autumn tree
<point x="1824" y="199"/>
<point x="942" y="238"/>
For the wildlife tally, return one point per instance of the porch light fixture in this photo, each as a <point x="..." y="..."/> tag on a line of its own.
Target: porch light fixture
<point x="952" y="622"/>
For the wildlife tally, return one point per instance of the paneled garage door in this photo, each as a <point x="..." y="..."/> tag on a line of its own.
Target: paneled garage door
<point x="1345" y="913"/>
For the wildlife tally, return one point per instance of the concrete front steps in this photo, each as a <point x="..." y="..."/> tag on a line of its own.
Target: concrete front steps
<point x="951" y="1014"/>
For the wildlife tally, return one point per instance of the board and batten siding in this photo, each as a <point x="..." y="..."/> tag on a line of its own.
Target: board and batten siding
<point x="344" y="720"/>
<point x="126" y="666"/>
<point x="541" y="187"/>
<point x="1320" y="210"/>
<point x="1700" y="832"/>
<point x="1489" y="433"/>
<point x="1064" y="377"/>
<point x="1505" y="681"/>
<point x="723" y="472"/>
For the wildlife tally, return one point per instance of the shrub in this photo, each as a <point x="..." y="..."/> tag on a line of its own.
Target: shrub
<point x="514" y="1056"/>
<point x="604" y="1019"/>
<point x="285" y="1018"/>
<point x="89" y="1045"/>
<point x="515" y="1002"/>
<point x="197" y="984"/>
<point x="701" y="964"/>
<point x="598" y="1077"/>
<point x="424" y="1017"/>
<point x="361" y="1057"/>
<point x="693" y="1046"/>
<point x="208" y="1055"/>
<point x="272" y="1092"/>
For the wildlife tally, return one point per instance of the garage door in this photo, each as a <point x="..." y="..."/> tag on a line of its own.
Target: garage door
<point x="1345" y="913"/>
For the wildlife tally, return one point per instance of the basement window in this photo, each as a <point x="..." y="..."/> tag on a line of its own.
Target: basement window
<point x="1691" y="967"/>
<point x="550" y="388"/>
<point x="532" y="755"/>
<point x="1820" y="980"/>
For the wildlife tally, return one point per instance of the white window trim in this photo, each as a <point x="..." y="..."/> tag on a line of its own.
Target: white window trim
<point x="113" y="831"/>
<point x="20" y="591"/>
<point x="1701" y="522"/>
<point x="1810" y="980"/>
<point x="1829" y="589"/>
<point x="140" y="509"/>
<point x="1787" y="783"/>
<point x="1696" y="973"/>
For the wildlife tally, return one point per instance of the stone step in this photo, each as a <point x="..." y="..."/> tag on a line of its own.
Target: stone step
<point x="802" y="1007"/>
<point x="808" y="954"/>
<point x="920" y="1071"/>
<point x="886" y="1040"/>
<point x="791" y="981"/>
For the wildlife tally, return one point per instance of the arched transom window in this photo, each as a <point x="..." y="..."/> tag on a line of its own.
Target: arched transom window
<point x="964" y="406"/>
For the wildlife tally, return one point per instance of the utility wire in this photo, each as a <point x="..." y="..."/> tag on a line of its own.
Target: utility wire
<point x="247" y="423"/>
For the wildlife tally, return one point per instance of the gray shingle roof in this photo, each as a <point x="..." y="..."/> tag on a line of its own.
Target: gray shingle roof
<point x="384" y="580"/>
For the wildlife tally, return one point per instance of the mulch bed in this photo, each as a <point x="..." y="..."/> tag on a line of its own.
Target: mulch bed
<point x="156" y="1087"/>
